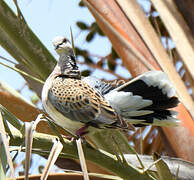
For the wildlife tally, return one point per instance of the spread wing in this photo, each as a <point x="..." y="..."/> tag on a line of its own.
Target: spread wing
<point x="76" y="100"/>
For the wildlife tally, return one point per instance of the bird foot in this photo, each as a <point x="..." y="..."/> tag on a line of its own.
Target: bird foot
<point x="81" y="132"/>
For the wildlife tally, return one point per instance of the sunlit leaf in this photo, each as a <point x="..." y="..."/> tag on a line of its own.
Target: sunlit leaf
<point x="86" y="73"/>
<point x="111" y="64"/>
<point x="114" y="53"/>
<point x="82" y="25"/>
<point x="3" y="160"/>
<point x="162" y="169"/>
<point x="90" y="36"/>
<point x="11" y="118"/>
<point x="88" y="60"/>
<point x="81" y="4"/>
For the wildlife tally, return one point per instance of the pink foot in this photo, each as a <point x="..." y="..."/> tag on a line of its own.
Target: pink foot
<point x="82" y="131"/>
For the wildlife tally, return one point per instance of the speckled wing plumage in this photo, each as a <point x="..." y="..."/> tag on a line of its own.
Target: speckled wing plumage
<point x="101" y="86"/>
<point x="76" y="100"/>
<point x="108" y="86"/>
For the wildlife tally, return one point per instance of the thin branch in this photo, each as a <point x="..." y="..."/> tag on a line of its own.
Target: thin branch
<point x="23" y="73"/>
<point x="8" y="60"/>
<point x="94" y="66"/>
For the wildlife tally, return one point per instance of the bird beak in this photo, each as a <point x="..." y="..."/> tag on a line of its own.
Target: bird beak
<point x="56" y="47"/>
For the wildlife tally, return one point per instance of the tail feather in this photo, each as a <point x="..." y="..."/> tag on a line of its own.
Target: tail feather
<point x="154" y="86"/>
<point x="170" y="121"/>
<point x="157" y="118"/>
<point x="135" y="113"/>
<point x="126" y="101"/>
<point x="146" y="100"/>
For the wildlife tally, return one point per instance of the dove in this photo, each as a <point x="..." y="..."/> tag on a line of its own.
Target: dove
<point x="83" y="105"/>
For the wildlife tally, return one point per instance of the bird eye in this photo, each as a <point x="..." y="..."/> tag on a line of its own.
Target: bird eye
<point x="64" y="40"/>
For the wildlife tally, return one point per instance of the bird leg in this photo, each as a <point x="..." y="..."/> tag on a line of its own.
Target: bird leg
<point x="80" y="132"/>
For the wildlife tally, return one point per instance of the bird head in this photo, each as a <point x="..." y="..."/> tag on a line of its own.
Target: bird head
<point x="62" y="45"/>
